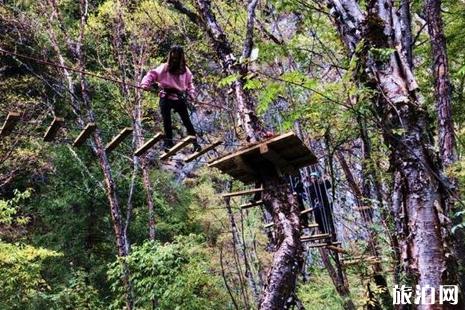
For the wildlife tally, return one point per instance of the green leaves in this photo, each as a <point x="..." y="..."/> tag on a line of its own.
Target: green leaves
<point x="174" y="275"/>
<point x="228" y="80"/>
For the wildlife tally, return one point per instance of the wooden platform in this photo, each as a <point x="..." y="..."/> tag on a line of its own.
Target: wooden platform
<point x="113" y="144"/>
<point x="85" y="134"/>
<point x="10" y="122"/>
<point x="203" y="151"/>
<point x="147" y="145"/>
<point x="182" y="144"/>
<point x="286" y="153"/>
<point x="52" y="130"/>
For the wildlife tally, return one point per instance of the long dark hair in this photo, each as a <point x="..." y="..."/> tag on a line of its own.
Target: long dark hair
<point x="176" y="60"/>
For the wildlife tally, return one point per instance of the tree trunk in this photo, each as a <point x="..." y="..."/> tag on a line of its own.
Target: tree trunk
<point x="446" y="135"/>
<point x="403" y="123"/>
<point x="98" y="146"/>
<point x="287" y="259"/>
<point x="339" y="282"/>
<point x="442" y="86"/>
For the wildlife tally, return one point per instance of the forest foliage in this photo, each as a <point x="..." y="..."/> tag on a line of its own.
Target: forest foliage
<point x="57" y="244"/>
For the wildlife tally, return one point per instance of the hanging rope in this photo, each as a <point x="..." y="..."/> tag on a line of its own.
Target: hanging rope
<point x="56" y="65"/>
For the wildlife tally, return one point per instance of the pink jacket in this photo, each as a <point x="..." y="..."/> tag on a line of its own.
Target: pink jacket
<point x="165" y="79"/>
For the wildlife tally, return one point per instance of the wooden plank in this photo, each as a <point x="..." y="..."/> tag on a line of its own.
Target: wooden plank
<point x="85" y="134"/>
<point x="52" y="130"/>
<point x="307" y="211"/>
<point x="147" y="145"/>
<point x="314" y="237"/>
<point x="10" y="123"/>
<point x="203" y="151"/>
<point x="183" y="143"/>
<point x="242" y="193"/>
<point x="118" y="139"/>
<point x="251" y="204"/>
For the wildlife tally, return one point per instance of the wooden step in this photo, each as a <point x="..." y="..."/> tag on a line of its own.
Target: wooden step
<point x="203" y="151"/>
<point x="52" y="130"/>
<point x="311" y="225"/>
<point x="363" y="208"/>
<point x="323" y="245"/>
<point x="10" y="123"/>
<point x="268" y="225"/>
<point x="307" y="211"/>
<point x="251" y="204"/>
<point x="315" y="237"/>
<point x="180" y="145"/>
<point x="113" y="144"/>
<point x="242" y="193"/>
<point x="364" y="261"/>
<point x="85" y="134"/>
<point x="147" y="145"/>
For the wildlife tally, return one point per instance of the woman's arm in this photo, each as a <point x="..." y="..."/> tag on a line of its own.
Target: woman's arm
<point x="149" y="79"/>
<point x="190" y="84"/>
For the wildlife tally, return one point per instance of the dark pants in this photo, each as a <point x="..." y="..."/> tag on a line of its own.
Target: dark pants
<point x="324" y="218"/>
<point x="166" y="105"/>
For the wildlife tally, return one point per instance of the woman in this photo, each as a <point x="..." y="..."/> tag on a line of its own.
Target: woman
<point x="175" y="82"/>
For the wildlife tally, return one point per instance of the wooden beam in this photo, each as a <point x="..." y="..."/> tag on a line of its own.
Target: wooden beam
<point x="113" y="144"/>
<point x="307" y="211"/>
<point x="203" y="151"/>
<point x="10" y="122"/>
<point x="251" y="204"/>
<point x="314" y="237"/>
<point x="183" y="143"/>
<point x="85" y="134"/>
<point x="242" y="193"/>
<point x="52" y="130"/>
<point x="147" y="145"/>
